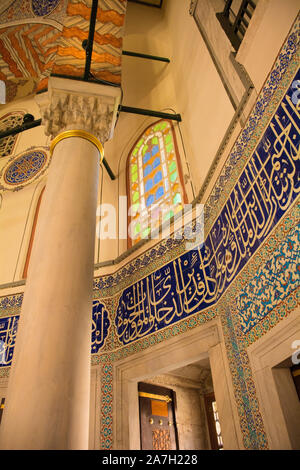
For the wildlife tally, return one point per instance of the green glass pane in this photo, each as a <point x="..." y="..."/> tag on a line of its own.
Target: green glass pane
<point x="155" y="141"/>
<point x="135" y="208"/>
<point x="136" y="196"/>
<point x="137" y="229"/>
<point x="172" y="166"/>
<point x="157" y="127"/>
<point x="168" y="139"/>
<point x="140" y="143"/>
<point x="177" y="199"/>
<point x="163" y="125"/>
<point x="169" y="215"/>
<point x="146" y="232"/>
<point x="169" y="147"/>
<point x="145" y="148"/>
<point x="133" y="169"/>
<point x="134" y="177"/>
<point x="173" y="177"/>
<point x="135" y="151"/>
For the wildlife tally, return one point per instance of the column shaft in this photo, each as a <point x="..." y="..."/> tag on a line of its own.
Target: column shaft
<point x="49" y="386"/>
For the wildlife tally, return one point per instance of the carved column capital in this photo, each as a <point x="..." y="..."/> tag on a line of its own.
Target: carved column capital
<point x="73" y="104"/>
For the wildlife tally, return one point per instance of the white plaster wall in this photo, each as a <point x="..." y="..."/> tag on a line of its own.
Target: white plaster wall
<point x="18" y="207"/>
<point x="189" y="85"/>
<point x="201" y="96"/>
<point x="267" y="31"/>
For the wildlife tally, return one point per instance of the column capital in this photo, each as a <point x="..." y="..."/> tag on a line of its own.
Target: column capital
<point x="74" y="104"/>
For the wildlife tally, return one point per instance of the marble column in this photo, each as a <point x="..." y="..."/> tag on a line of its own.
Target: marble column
<point x="47" y="403"/>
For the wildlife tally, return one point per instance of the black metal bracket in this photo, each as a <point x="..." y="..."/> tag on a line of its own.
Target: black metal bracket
<point x="146" y="56"/>
<point x="29" y="123"/>
<point x="149" y="112"/>
<point x="90" y="41"/>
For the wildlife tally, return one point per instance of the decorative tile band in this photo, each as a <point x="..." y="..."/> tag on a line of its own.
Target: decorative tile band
<point x="9" y="326"/>
<point x="267" y="187"/>
<point x="273" y="283"/>
<point x="8" y="332"/>
<point x="100" y="326"/>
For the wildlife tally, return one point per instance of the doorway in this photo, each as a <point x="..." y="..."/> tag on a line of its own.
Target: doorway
<point x="157" y="417"/>
<point x="163" y="359"/>
<point x="178" y="410"/>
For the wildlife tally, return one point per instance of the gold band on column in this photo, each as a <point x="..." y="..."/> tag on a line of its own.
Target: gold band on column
<point x="78" y="133"/>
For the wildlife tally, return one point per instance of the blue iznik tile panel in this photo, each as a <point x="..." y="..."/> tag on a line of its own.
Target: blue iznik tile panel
<point x="266" y="189"/>
<point x="100" y="325"/>
<point x="273" y="282"/>
<point x="8" y="332"/>
<point x="9" y="326"/>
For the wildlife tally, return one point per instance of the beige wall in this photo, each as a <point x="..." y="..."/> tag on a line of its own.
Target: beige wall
<point x="201" y="97"/>
<point x="268" y="29"/>
<point x="189" y="85"/>
<point x="18" y="207"/>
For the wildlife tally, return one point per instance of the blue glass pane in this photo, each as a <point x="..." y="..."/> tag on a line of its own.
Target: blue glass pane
<point x="147" y="170"/>
<point x="146" y="157"/>
<point x="155" y="149"/>
<point x="150" y="200"/>
<point x="157" y="177"/>
<point x="156" y="162"/>
<point x="149" y="185"/>
<point x="159" y="192"/>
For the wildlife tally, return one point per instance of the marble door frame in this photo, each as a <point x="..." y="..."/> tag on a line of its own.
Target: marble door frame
<point x="202" y="342"/>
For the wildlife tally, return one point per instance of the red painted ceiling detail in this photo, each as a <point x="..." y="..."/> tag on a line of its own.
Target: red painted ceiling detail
<point x="32" y="47"/>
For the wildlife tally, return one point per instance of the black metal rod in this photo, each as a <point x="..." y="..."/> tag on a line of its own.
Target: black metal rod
<point x="90" y="41"/>
<point x="108" y="169"/>
<point x="148" y="112"/>
<point x="36" y="123"/>
<point x="90" y="79"/>
<point x="18" y="129"/>
<point x="146" y="56"/>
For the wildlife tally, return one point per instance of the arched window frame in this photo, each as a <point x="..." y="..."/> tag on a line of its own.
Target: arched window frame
<point x="130" y="202"/>
<point x="9" y="121"/>
<point x="35" y="219"/>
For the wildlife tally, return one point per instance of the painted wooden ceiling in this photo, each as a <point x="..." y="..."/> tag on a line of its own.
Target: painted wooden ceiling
<point x="40" y="37"/>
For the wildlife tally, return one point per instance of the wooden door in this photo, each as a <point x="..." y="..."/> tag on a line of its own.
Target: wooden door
<point x="213" y="422"/>
<point x="157" y="418"/>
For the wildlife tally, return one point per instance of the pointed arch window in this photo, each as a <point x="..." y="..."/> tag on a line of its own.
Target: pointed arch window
<point x="155" y="184"/>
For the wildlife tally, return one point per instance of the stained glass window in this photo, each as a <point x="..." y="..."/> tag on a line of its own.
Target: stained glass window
<point x="156" y="192"/>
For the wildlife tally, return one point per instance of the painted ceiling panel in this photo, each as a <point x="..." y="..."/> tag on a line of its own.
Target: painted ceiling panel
<point x="40" y="37"/>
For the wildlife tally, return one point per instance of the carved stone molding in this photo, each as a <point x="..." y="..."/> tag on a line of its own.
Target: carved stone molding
<point x="71" y="104"/>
